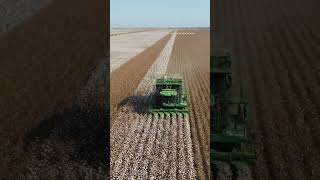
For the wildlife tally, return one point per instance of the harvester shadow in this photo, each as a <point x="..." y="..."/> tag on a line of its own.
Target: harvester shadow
<point x="138" y="104"/>
<point x="85" y="127"/>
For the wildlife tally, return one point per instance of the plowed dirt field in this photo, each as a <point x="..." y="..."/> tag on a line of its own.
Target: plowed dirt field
<point x="276" y="46"/>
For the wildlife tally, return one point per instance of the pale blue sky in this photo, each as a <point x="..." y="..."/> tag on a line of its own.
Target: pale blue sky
<point x="160" y="13"/>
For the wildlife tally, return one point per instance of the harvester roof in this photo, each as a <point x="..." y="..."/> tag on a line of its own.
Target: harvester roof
<point x="168" y="92"/>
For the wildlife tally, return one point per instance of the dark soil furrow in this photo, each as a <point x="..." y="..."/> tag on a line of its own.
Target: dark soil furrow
<point x="276" y="51"/>
<point x="264" y="154"/>
<point x="301" y="85"/>
<point x="288" y="130"/>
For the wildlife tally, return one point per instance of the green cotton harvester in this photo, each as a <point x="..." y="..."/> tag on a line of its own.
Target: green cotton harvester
<point x="229" y="116"/>
<point x="170" y="97"/>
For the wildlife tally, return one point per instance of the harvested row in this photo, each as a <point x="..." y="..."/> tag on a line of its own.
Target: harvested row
<point x="190" y="58"/>
<point x="148" y="148"/>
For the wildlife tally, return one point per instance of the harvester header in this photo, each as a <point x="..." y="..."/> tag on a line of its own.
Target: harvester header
<point x="169" y="79"/>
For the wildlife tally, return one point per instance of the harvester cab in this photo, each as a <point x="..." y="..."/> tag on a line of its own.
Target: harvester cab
<point x="230" y="141"/>
<point x="169" y="98"/>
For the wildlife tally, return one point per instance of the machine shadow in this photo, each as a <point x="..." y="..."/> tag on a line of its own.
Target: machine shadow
<point x="138" y="104"/>
<point x="85" y="127"/>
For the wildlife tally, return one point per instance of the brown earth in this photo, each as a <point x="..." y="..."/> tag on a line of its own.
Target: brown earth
<point x="276" y="45"/>
<point x="44" y="63"/>
<point x="46" y="60"/>
<point x="126" y="79"/>
<point x="190" y="58"/>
